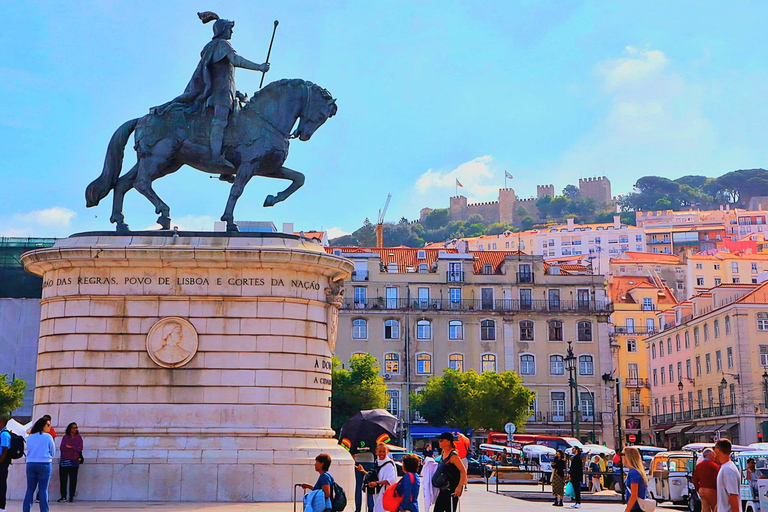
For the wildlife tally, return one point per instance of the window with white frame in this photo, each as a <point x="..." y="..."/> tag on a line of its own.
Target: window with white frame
<point x="359" y="329"/>
<point x="488" y="363"/>
<point x="687" y="339"/>
<point x="556" y="365"/>
<point x="587" y="404"/>
<point x="631" y="345"/>
<point x="455" y="330"/>
<point x="527" y="365"/>
<point x="360" y="296"/>
<point x="558" y="405"/>
<point x="763" y="355"/>
<point x="716" y="326"/>
<point x="718" y="361"/>
<point x="423" y="329"/>
<point x="391" y="329"/>
<point x="391" y="362"/>
<point x="727" y="325"/>
<point x="456" y="362"/>
<point x="586" y="365"/>
<point x="423" y="363"/>
<point x="393" y="401"/>
<point x="677" y="342"/>
<point x="708" y="363"/>
<point x="729" y="357"/>
<point x="762" y="321"/>
<point x="423" y="268"/>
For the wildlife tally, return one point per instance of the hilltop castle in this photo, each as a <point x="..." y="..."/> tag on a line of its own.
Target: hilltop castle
<point x="507" y="208"/>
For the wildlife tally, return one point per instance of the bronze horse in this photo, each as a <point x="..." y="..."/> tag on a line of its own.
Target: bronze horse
<point x="256" y="143"/>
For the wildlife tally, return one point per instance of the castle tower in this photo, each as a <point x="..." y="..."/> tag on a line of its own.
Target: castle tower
<point x="507" y="203"/>
<point x="458" y="208"/>
<point x="598" y="189"/>
<point x="545" y="190"/>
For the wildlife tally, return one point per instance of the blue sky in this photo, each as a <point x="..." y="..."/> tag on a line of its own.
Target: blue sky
<point x="428" y="92"/>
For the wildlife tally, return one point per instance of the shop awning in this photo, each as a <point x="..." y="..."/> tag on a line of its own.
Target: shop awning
<point x="677" y="428"/>
<point x="428" y="432"/>
<point x="694" y="430"/>
<point x="728" y="426"/>
<point x="709" y="429"/>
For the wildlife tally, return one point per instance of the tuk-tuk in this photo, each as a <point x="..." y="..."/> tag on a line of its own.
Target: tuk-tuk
<point x="647" y="453"/>
<point x="753" y="499"/>
<point x="669" y="476"/>
<point x="539" y="458"/>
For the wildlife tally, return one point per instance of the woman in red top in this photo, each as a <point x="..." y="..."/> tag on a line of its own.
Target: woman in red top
<point x="69" y="463"/>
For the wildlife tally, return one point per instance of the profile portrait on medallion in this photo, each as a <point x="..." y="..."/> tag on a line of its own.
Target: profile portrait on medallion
<point x="172" y="342"/>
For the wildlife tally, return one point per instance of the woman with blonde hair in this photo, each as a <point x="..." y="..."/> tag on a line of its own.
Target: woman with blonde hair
<point x="636" y="483"/>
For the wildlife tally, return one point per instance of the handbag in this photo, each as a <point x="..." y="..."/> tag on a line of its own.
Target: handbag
<point x="440" y="480"/>
<point x="391" y="500"/>
<point x="80" y="458"/>
<point x="646" y="505"/>
<point x="569" y="491"/>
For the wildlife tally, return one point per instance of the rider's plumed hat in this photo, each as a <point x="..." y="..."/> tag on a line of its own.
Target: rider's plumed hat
<point x="220" y="26"/>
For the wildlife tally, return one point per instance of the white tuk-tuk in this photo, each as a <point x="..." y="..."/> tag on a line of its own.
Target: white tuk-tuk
<point x="753" y="499"/>
<point x="669" y="476"/>
<point x="539" y="457"/>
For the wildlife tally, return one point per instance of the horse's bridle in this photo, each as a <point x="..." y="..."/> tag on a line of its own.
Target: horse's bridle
<point x="306" y="106"/>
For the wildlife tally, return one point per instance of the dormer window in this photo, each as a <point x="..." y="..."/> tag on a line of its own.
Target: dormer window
<point x="487" y="269"/>
<point x="392" y="267"/>
<point x="423" y="268"/>
<point x="421" y="255"/>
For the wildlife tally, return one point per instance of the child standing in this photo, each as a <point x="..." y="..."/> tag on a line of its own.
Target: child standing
<point x="408" y="487"/>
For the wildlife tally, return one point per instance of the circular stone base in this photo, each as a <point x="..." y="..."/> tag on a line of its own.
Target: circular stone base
<point x="197" y="367"/>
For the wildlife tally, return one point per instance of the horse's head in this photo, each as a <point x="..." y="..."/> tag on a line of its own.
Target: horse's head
<point x="320" y="106"/>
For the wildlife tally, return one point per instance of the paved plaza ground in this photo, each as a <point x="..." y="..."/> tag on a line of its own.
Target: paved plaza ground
<point x="475" y="500"/>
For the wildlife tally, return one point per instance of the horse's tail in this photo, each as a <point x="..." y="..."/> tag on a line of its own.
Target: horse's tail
<point x="113" y="164"/>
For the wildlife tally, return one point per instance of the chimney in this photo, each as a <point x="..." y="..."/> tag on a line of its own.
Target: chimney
<point x="570" y="224"/>
<point x="288" y="228"/>
<point x="617" y="221"/>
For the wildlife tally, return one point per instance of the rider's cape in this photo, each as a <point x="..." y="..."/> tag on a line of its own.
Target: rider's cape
<point x="200" y="85"/>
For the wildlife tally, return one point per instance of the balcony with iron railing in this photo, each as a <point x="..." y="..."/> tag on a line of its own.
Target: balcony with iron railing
<point x="548" y="417"/>
<point x="359" y="275"/>
<point x="525" y="278"/>
<point x="621" y="329"/>
<point x="454" y="276"/>
<point x="715" y="411"/>
<point x="498" y="305"/>
<point x="638" y="409"/>
<point x="635" y="382"/>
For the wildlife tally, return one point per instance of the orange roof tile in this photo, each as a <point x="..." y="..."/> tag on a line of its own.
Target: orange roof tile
<point x="622" y="285"/>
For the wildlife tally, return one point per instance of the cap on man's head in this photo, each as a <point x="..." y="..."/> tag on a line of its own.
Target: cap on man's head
<point x="447" y="436"/>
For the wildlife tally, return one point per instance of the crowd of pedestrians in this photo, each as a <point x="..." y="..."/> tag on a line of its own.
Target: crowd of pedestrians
<point x="40" y="451"/>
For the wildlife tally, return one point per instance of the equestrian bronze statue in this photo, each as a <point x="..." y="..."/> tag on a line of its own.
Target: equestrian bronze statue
<point x="214" y="128"/>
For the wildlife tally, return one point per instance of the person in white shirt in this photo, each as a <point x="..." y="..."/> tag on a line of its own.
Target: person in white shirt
<point x="728" y="479"/>
<point x="387" y="475"/>
<point x="40" y="452"/>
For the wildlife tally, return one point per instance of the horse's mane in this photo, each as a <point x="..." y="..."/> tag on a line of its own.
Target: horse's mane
<point x="273" y="88"/>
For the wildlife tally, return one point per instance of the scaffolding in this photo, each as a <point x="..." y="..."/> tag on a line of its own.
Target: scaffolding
<point x="15" y="282"/>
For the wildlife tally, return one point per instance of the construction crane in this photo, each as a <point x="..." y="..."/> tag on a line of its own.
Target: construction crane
<point x="379" y="229"/>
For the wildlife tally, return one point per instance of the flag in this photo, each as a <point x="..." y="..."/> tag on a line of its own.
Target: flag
<point x="458" y="183"/>
<point x="507" y="175"/>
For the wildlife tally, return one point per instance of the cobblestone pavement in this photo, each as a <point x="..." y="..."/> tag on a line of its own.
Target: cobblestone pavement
<point x="476" y="499"/>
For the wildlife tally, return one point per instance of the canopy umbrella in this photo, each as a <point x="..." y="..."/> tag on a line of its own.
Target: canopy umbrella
<point x="365" y="429"/>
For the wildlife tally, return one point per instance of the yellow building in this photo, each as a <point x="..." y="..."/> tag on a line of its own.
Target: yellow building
<point x="705" y="271"/>
<point x="708" y="367"/>
<point x="419" y="311"/>
<point x="636" y="301"/>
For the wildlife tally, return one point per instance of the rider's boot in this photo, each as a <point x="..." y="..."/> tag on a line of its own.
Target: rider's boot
<point x="217" y="139"/>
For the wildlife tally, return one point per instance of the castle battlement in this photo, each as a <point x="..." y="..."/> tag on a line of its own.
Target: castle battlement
<point x="475" y="205"/>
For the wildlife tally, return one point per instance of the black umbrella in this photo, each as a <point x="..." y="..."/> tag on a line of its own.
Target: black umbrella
<point x="362" y="431"/>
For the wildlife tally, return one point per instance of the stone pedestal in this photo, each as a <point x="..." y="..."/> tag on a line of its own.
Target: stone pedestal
<point x="197" y="366"/>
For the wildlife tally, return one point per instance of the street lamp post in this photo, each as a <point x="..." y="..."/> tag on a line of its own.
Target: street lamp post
<point x="570" y="364"/>
<point x="765" y="387"/>
<point x="724" y="386"/>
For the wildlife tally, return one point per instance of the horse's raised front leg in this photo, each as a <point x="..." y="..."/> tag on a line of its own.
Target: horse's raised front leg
<point x="244" y="174"/>
<point x="285" y="173"/>
<point x="123" y="185"/>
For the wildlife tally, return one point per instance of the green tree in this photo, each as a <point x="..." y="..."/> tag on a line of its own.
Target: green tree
<point x="11" y="394"/>
<point x="571" y="191"/>
<point x="436" y="219"/>
<point x="471" y="401"/>
<point x="355" y="389"/>
<point x="527" y="222"/>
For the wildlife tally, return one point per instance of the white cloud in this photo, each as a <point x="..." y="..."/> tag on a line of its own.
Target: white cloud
<point x="480" y="182"/>
<point x="654" y="124"/>
<point x="636" y="67"/>
<point x="56" y="216"/>
<point x="336" y="232"/>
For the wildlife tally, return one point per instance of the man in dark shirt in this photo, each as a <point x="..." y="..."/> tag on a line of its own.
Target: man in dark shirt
<point x="427" y="451"/>
<point x="705" y="480"/>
